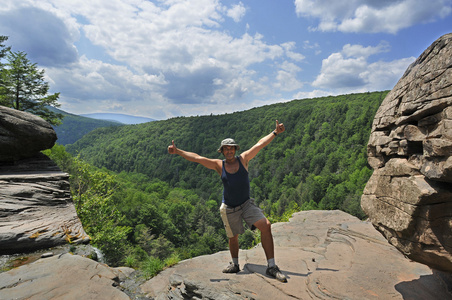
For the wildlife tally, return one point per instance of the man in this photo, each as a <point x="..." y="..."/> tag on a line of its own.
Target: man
<point x="237" y="204"/>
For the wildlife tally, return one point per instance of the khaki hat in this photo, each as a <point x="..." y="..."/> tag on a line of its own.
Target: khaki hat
<point x="228" y="142"/>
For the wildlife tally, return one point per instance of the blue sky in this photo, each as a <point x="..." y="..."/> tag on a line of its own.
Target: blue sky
<point x="167" y="58"/>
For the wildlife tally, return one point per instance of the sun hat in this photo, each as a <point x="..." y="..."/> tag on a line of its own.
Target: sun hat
<point x="228" y="142"/>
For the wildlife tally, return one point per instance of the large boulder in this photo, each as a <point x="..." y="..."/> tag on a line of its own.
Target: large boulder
<point x="409" y="196"/>
<point x="36" y="207"/>
<point x="23" y="134"/>
<point x="64" y="276"/>
<point x="324" y="254"/>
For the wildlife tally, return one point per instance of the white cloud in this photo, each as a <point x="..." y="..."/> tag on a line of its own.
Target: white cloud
<point x="289" y="47"/>
<point x="312" y="94"/>
<point x="237" y="12"/>
<point x="350" y="70"/>
<point x="307" y="45"/>
<point x="171" y="52"/>
<point x="97" y="80"/>
<point x="360" y="51"/>
<point x="372" y="16"/>
<point x="286" y="80"/>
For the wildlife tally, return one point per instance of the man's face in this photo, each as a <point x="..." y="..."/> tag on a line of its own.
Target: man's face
<point x="229" y="152"/>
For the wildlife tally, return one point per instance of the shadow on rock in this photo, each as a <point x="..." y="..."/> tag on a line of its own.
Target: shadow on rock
<point x="423" y="288"/>
<point x="261" y="270"/>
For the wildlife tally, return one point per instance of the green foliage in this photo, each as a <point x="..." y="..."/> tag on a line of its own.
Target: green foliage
<point x="172" y="260"/>
<point x="92" y="192"/>
<point x="152" y="266"/>
<point x="134" y="220"/>
<point x="3" y="49"/>
<point x="318" y="163"/>
<point x="249" y="239"/>
<point x="23" y="88"/>
<point x="74" y="127"/>
<point x="159" y="208"/>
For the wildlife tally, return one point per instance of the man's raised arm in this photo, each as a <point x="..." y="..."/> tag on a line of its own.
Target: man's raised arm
<point x="213" y="164"/>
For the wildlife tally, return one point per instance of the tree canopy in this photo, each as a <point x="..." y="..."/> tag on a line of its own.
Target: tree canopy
<point x="3" y="49"/>
<point x="156" y="209"/>
<point x="23" y="88"/>
<point x="318" y="162"/>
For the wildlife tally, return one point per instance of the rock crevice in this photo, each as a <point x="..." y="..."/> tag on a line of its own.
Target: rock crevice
<point x="409" y="195"/>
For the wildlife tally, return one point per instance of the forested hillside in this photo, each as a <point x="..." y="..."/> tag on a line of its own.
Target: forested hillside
<point x="319" y="162"/>
<point x="148" y="209"/>
<point x="74" y="127"/>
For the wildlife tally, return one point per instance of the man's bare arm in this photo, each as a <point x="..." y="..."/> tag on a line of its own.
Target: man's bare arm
<point x="213" y="164"/>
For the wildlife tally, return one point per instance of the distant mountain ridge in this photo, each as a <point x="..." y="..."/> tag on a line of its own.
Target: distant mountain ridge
<point x="74" y="127"/>
<point x="121" y="118"/>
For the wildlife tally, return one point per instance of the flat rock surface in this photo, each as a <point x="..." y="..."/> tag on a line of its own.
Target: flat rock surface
<point x="324" y="254"/>
<point x="63" y="277"/>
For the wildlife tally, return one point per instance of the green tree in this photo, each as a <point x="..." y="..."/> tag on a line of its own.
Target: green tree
<point x="23" y="88"/>
<point x="3" y="49"/>
<point x="97" y="212"/>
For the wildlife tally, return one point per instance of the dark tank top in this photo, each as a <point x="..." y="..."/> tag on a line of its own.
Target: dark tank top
<point x="236" y="186"/>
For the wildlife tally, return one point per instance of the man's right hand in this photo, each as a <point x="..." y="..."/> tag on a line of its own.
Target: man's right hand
<point x="172" y="148"/>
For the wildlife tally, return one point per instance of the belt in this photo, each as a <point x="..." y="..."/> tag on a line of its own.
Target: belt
<point x="239" y="207"/>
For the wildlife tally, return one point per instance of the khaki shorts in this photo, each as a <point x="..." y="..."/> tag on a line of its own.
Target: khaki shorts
<point x="232" y="217"/>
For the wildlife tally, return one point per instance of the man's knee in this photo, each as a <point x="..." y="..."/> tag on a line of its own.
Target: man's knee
<point x="263" y="225"/>
<point x="234" y="238"/>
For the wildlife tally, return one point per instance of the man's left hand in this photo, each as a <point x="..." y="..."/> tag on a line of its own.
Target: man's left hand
<point x="279" y="127"/>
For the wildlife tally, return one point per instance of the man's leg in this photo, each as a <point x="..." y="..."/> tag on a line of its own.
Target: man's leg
<point x="232" y="218"/>
<point x="234" y="246"/>
<point x="264" y="226"/>
<point x="234" y="250"/>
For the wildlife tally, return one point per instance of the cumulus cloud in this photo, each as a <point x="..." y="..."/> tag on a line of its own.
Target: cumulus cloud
<point x="312" y="94"/>
<point x="170" y="53"/>
<point x="93" y="79"/>
<point x="372" y="16"/>
<point x="237" y="12"/>
<point x="286" y="80"/>
<point x="40" y="34"/>
<point x="350" y="70"/>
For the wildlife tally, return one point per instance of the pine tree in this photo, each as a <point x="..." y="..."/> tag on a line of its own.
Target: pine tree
<point x="3" y="49"/>
<point x="23" y="88"/>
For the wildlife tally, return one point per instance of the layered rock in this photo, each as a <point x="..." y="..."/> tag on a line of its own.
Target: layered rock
<point x="409" y="196"/>
<point x="36" y="208"/>
<point x="324" y="254"/>
<point x="22" y="134"/>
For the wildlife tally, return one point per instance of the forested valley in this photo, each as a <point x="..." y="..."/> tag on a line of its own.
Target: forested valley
<point x="148" y="209"/>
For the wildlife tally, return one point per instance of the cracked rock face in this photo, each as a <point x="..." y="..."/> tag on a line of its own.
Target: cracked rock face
<point x="22" y="134"/>
<point x="36" y="208"/>
<point x="409" y="196"/>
